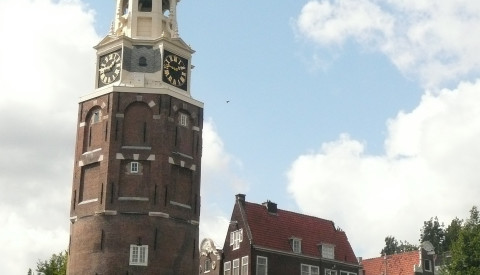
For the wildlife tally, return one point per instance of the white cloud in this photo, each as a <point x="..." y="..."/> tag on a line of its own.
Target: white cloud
<point x="220" y="181"/>
<point x="47" y="62"/>
<point x="430" y="169"/>
<point x="431" y="41"/>
<point x="219" y="167"/>
<point x="333" y="23"/>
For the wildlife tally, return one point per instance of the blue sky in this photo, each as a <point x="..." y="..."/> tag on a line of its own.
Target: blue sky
<point x="364" y="112"/>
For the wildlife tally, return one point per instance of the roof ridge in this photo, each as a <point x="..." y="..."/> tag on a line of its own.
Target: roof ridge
<point x="391" y="255"/>
<point x="296" y="213"/>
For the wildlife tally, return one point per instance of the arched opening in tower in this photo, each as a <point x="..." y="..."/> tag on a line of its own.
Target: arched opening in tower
<point x="124" y="6"/>
<point x="145" y="5"/>
<point x="166" y="7"/>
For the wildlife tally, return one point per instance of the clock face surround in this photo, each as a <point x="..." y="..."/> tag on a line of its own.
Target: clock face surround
<point x="175" y="70"/>
<point x="109" y="68"/>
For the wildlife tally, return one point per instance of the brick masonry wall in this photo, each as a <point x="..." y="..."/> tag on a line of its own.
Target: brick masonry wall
<point x="112" y="209"/>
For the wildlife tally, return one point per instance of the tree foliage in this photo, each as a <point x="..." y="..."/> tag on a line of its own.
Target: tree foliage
<point x="433" y="232"/>
<point x="459" y="239"/>
<point x="452" y="232"/>
<point x="466" y="248"/>
<point x="56" y="265"/>
<point x="392" y="246"/>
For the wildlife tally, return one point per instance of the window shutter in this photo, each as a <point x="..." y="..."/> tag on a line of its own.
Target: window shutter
<point x="241" y="235"/>
<point x="231" y="238"/>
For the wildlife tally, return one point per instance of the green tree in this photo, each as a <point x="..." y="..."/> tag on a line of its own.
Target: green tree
<point x="29" y="271"/>
<point x="466" y="248"/>
<point x="433" y="232"/>
<point x="406" y="246"/>
<point x="56" y="265"/>
<point x="392" y="246"/>
<point x="452" y="232"/>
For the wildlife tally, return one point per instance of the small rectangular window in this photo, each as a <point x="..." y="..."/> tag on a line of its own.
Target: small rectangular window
<point x="227" y="268"/>
<point x="236" y="237"/>
<point x="428" y="265"/>
<point x="245" y="265"/>
<point x="309" y="269"/>
<point x="262" y="265"/>
<point x="134" y="167"/>
<point x="347" y="273"/>
<point x="183" y="120"/>
<point x="330" y="272"/>
<point x="236" y="267"/>
<point x="208" y="265"/>
<point x="139" y="255"/>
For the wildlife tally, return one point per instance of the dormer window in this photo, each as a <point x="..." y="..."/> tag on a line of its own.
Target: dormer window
<point x="296" y="244"/>
<point x="236" y="237"/>
<point x="328" y="251"/>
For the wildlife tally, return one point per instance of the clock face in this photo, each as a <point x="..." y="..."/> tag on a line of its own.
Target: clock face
<point x="175" y="70"/>
<point x="109" y="68"/>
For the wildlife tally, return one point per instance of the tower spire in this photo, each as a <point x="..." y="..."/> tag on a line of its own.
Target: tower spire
<point x="146" y="19"/>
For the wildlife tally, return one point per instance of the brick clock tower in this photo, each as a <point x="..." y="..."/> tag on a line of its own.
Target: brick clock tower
<point x="135" y="204"/>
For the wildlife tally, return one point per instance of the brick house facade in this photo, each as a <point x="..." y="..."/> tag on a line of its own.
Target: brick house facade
<point x="263" y="239"/>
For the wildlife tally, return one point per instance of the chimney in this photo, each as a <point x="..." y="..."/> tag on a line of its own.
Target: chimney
<point x="271" y="207"/>
<point x="360" y="260"/>
<point x="240" y="198"/>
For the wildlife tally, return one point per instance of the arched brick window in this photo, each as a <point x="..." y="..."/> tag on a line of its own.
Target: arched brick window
<point x="94" y="132"/>
<point x="137" y="125"/>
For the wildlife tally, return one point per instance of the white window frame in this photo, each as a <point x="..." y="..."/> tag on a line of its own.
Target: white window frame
<point x="236" y="237"/>
<point x="306" y="269"/>
<point x="227" y="268"/>
<point x="429" y="264"/>
<point x="347" y="273"/>
<point x="236" y="267"/>
<point x="183" y="120"/>
<point x="134" y="167"/>
<point x="265" y="259"/>
<point x="139" y="255"/>
<point x="208" y="265"/>
<point x="328" y="251"/>
<point x="330" y="272"/>
<point x="244" y="269"/>
<point x="296" y="245"/>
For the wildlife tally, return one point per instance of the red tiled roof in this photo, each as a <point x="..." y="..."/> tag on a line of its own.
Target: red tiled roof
<point x="397" y="264"/>
<point x="274" y="231"/>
